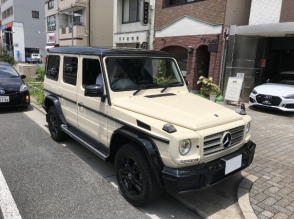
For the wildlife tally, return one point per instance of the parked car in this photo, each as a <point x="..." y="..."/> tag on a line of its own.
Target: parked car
<point x="13" y="90"/>
<point x="277" y="93"/>
<point x="143" y="117"/>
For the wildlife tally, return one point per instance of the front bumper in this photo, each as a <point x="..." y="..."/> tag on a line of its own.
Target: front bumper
<point x="17" y="99"/>
<point x="206" y="174"/>
<point x="283" y="104"/>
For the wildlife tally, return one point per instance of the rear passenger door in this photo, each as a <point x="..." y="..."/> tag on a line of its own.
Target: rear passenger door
<point x="92" y="111"/>
<point x="68" y="88"/>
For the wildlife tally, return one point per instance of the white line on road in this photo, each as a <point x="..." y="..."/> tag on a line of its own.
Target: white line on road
<point x="7" y="204"/>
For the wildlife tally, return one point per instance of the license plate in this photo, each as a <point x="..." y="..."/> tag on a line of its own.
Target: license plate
<point x="233" y="164"/>
<point x="267" y="102"/>
<point x="4" y="99"/>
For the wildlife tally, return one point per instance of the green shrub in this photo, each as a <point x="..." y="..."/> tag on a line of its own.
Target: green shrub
<point x="40" y="72"/>
<point x="5" y="56"/>
<point x="208" y="87"/>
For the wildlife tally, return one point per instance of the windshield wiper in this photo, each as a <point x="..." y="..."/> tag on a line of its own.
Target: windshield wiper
<point x="170" y="85"/>
<point x="144" y="86"/>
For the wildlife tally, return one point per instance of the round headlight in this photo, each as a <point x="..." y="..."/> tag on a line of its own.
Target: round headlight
<point x="185" y="147"/>
<point x="248" y="127"/>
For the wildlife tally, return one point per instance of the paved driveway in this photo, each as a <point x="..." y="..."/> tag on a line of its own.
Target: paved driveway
<point x="272" y="194"/>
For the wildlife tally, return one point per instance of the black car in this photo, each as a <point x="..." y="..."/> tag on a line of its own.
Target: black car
<point x="13" y="91"/>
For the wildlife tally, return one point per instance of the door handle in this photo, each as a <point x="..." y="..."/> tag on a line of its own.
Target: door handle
<point x="81" y="104"/>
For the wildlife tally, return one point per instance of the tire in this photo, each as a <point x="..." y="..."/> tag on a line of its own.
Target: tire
<point x="134" y="176"/>
<point x="54" y="124"/>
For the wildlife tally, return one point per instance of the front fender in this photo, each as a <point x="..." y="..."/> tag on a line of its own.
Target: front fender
<point x="148" y="146"/>
<point x="52" y="100"/>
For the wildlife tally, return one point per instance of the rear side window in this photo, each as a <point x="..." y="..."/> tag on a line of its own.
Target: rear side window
<point x="52" y="70"/>
<point x="70" y="68"/>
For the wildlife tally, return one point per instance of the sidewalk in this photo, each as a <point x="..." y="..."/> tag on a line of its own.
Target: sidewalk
<point x="267" y="186"/>
<point x="272" y="194"/>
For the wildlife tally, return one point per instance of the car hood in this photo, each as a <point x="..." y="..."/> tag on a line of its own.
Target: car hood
<point x="10" y="84"/>
<point x="186" y="110"/>
<point x="275" y="89"/>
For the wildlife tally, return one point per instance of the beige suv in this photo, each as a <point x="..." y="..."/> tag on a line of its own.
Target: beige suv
<point x="133" y="107"/>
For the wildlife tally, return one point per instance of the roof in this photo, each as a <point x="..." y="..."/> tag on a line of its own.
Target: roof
<point x="106" y="51"/>
<point x="288" y="72"/>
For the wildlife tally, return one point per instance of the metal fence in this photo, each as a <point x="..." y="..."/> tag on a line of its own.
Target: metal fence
<point x="34" y="86"/>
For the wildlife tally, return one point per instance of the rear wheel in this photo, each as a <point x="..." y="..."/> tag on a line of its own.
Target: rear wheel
<point x="54" y="124"/>
<point x="135" y="177"/>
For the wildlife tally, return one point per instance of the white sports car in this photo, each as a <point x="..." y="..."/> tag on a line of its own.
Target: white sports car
<point x="278" y="93"/>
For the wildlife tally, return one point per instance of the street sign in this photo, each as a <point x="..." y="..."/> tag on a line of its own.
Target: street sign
<point x="144" y="45"/>
<point x="212" y="47"/>
<point x="145" y="14"/>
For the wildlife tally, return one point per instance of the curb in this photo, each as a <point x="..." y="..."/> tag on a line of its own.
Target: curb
<point x="36" y="105"/>
<point x="243" y="196"/>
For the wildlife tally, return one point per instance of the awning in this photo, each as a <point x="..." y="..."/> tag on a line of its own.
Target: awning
<point x="48" y="47"/>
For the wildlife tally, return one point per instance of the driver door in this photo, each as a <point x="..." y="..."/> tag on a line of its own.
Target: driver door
<point x="91" y="110"/>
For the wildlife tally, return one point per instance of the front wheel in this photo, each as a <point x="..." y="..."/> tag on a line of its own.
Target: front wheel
<point x="54" y="124"/>
<point x="134" y="175"/>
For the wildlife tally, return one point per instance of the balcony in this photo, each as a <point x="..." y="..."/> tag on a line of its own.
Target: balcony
<point x="72" y="5"/>
<point x="80" y="37"/>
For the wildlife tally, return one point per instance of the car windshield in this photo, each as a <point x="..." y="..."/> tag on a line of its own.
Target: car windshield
<point x="7" y="71"/>
<point x="142" y="73"/>
<point x="284" y="78"/>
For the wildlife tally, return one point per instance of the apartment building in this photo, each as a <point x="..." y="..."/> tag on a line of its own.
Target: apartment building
<point x="195" y="32"/>
<point x="21" y="24"/>
<point x="79" y="23"/>
<point x="134" y="23"/>
<point x="263" y="48"/>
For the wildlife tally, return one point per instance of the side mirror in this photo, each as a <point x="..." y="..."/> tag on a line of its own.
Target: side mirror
<point x="23" y="76"/>
<point x="241" y="110"/>
<point x="94" y="90"/>
<point x="187" y="82"/>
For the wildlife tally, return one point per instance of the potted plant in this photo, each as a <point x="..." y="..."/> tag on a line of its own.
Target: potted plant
<point x="208" y="88"/>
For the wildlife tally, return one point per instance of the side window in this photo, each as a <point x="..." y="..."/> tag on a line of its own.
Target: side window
<point x="91" y="71"/>
<point x="52" y="70"/>
<point x="70" y="68"/>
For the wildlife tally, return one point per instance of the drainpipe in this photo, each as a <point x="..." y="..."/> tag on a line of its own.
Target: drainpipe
<point x="89" y="29"/>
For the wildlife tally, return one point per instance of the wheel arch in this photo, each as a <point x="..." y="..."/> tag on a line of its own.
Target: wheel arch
<point x="127" y="135"/>
<point x="52" y="100"/>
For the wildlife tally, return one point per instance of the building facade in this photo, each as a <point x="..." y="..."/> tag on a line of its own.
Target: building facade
<point x="263" y="48"/>
<point x="134" y="23"/>
<point x="195" y="32"/>
<point x="21" y="23"/>
<point x="79" y="23"/>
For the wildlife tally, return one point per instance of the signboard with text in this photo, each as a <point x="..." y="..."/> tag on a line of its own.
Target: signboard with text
<point x="234" y="88"/>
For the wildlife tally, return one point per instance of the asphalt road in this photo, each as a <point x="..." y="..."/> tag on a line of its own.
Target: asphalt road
<point x="51" y="180"/>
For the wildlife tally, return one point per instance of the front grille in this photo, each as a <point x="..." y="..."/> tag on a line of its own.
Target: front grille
<point x="268" y="100"/>
<point x="212" y="143"/>
<point x="289" y="106"/>
<point x="251" y="100"/>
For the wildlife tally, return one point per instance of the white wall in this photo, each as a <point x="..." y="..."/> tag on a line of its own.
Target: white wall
<point x="188" y="26"/>
<point x="265" y="12"/>
<point x="18" y="38"/>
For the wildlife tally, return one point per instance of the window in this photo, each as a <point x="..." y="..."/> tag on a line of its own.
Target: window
<point x="131" y="11"/>
<point x="50" y="4"/>
<point x="35" y="14"/>
<point x="51" y="23"/>
<point x="142" y="73"/>
<point x="70" y="68"/>
<point x="8" y="12"/>
<point x="91" y="69"/>
<point x="52" y="69"/>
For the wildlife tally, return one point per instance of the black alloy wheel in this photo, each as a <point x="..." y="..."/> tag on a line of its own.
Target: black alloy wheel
<point x="54" y="124"/>
<point x="134" y="175"/>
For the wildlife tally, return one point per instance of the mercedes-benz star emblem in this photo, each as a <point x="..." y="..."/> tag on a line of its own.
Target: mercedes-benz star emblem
<point x="2" y="91"/>
<point x="226" y="139"/>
